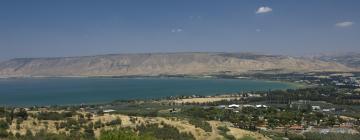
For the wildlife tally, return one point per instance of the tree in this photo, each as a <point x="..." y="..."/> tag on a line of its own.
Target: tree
<point x="89" y="132"/>
<point x="22" y="114"/>
<point x="97" y="124"/>
<point x="4" y="125"/>
<point x="117" y="121"/>
<point x="28" y="133"/>
<point x="88" y="116"/>
<point x="17" y="135"/>
<point x="3" y="133"/>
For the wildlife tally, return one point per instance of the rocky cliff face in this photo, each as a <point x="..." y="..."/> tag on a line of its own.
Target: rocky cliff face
<point x="162" y="63"/>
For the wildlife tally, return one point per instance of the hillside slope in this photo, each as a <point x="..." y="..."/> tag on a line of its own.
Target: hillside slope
<point x="348" y="59"/>
<point x="162" y="63"/>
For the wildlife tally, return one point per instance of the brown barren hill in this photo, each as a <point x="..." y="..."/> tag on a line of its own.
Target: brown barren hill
<point x="152" y="64"/>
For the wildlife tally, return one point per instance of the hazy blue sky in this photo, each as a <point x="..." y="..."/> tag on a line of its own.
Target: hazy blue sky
<point x="43" y="28"/>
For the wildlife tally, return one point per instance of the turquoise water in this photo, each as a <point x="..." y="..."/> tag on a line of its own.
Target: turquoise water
<point x="62" y="91"/>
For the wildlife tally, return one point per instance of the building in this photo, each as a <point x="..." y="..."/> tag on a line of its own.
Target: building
<point x="315" y="107"/>
<point x="234" y="106"/>
<point x="261" y="106"/>
<point x="108" y="110"/>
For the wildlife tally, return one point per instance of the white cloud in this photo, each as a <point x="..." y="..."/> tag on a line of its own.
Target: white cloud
<point x="344" y="24"/>
<point x="263" y="9"/>
<point x="178" y="30"/>
<point x="258" y="30"/>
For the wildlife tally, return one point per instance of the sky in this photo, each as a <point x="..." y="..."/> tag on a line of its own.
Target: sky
<point x="56" y="28"/>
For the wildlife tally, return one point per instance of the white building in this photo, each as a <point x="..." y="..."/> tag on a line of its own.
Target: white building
<point x="108" y="110"/>
<point x="234" y="106"/>
<point x="261" y="106"/>
<point x="315" y="107"/>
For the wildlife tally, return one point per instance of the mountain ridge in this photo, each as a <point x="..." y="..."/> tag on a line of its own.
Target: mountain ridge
<point x="149" y="64"/>
<point x="348" y="59"/>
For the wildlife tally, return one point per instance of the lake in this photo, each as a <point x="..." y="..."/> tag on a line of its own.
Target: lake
<point x="65" y="91"/>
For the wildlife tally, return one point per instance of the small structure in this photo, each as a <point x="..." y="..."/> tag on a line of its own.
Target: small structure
<point x="328" y="110"/>
<point x="221" y="106"/>
<point x="173" y="110"/>
<point x="234" y="106"/>
<point x="297" y="127"/>
<point x="261" y="106"/>
<point x="315" y="107"/>
<point x="108" y="110"/>
<point x="248" y="106"/>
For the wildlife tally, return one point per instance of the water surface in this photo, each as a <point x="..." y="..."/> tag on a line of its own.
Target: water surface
<point x="62" y="91"/>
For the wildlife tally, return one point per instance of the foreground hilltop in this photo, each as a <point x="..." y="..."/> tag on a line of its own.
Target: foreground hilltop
<point x="164" y="64"/>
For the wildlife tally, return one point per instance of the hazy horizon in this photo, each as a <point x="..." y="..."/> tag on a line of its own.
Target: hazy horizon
<point x="260" y="53"/>
<point x="43" y="28"/>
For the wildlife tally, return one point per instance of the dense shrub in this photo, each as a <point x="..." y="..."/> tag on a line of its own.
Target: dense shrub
<point x="247" y="138"/>
<point x="54" y="115"/>
<point x="22" y="113"/>
<point x="223" y="131"/>
<point x="123" y="134"/>
<point x="98" y="124"/>
<point x="2" y="111"/>
<point x="4" y="124"/>
<point x="114" y="122"/>
<point x="164" y="132"/>
<point x="3" y="133"/>
<point x="201" y="124"/>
